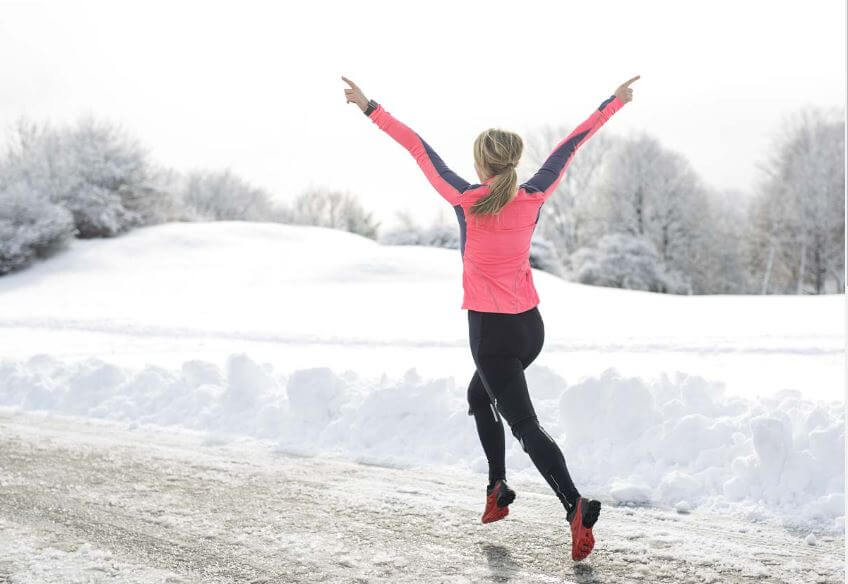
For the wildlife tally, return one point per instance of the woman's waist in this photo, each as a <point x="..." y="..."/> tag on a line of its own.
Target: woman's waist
<point x="496" y="314"/>
<point x="496" y="264"/>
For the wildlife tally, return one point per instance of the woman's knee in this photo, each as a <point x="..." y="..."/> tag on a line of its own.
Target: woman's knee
<point x="529" y="430"/>
<point x="524" y="427"/>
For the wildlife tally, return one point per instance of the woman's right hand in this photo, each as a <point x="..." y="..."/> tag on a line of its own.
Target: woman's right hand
<point x="623" y="92"/>
<point x="355" y="95"/>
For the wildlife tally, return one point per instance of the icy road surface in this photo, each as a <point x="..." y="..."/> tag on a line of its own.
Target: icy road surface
<point x="91" y="501"/>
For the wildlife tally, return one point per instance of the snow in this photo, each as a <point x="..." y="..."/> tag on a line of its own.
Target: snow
<point x="46" y="561"/>
<point x="96" y="500"/>
<point x="330" y="344"/>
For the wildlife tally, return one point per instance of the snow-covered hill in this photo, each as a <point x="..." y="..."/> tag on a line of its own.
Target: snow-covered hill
<point x="327" y="342"/>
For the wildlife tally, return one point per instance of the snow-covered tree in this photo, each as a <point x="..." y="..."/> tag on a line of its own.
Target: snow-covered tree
<point x="167" y="204"/>
<point x="407" y="232"/>
<point x="223" y="196"/>
<point x="723" y="267"/>
<point x="650" y="192"/>
<point x="443" y="231"/>
<point x="335" y="209"/>
<point x="625" y="260"/>
<point x="796" y="243"/>
<point x="93" y="168"/>
<point x="630" y="185"/>
<point x="568" y="219"/>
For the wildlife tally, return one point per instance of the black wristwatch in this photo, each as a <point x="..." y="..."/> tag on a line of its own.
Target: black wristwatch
<point x="372" y="105"/>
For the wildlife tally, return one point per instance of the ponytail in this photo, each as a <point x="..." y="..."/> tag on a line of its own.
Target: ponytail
<point x="502" y="189"/>
<point x="496" y="152"/>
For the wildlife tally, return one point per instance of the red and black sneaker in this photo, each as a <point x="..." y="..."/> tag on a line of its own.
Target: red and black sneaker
<point x="582" y="517"/>
<point x="498" y="498"/>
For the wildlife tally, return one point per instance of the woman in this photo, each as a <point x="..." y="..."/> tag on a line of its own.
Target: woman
<point x="496" y="218"/>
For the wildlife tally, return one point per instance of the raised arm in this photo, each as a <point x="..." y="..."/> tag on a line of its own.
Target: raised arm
<point x="446" y="182"/>
<point x="550" y="174"/>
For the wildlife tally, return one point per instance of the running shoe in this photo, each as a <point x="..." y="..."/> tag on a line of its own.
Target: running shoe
<point x="498" y="498"/>
<point x="582" y="517"/>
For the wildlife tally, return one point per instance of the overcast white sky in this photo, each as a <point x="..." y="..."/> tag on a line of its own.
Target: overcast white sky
<point x="256" y="86"/>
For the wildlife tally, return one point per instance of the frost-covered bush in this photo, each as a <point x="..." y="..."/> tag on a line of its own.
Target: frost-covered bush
<point x="167" y="204"/>
<point x="94" y="169"/>
<point x="334" y="209"/>
<point x="437" y="235"/>
<point x="441" y="235"/>
<point x="30" y="227"/>
<point x="625" y="261"/>
<point x="544" y="256"/>
<point x="223" y="196"/>
<point x="404" y="236"/>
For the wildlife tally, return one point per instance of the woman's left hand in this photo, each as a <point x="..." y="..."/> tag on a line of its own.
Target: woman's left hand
<point x="355" y="95"/>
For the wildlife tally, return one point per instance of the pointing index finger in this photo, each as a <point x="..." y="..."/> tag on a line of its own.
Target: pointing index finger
<point x="629" y="81"/>
<point x="351" y="83"/>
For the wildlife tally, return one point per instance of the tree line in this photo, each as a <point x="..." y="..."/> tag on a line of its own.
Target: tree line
<point x="629" y="213"/>
<point x="92" y="178"/>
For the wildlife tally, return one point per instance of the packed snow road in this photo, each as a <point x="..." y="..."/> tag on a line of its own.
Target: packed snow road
<point x="91" y="501"/>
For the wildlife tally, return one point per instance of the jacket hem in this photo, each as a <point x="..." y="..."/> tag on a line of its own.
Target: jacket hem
<point x="478" y="307"/>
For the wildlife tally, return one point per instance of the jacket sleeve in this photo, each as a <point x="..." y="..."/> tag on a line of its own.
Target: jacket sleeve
<point x="448" y="184"/>
<point x="552" y="171"/>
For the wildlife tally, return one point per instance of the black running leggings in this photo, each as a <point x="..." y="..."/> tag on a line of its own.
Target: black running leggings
<point x="503" y="345"/>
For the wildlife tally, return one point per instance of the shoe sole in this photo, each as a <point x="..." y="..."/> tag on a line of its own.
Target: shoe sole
<point x="589" y="516"/>
<point x="497" y="515"/>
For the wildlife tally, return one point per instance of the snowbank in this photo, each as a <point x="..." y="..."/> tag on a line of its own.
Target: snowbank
<point x="679" y="441"/>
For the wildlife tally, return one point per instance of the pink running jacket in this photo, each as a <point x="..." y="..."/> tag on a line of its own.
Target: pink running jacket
<point x="495" y="249"/>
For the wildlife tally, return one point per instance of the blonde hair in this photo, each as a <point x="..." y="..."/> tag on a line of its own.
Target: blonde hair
<point x="497" y="153"/>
